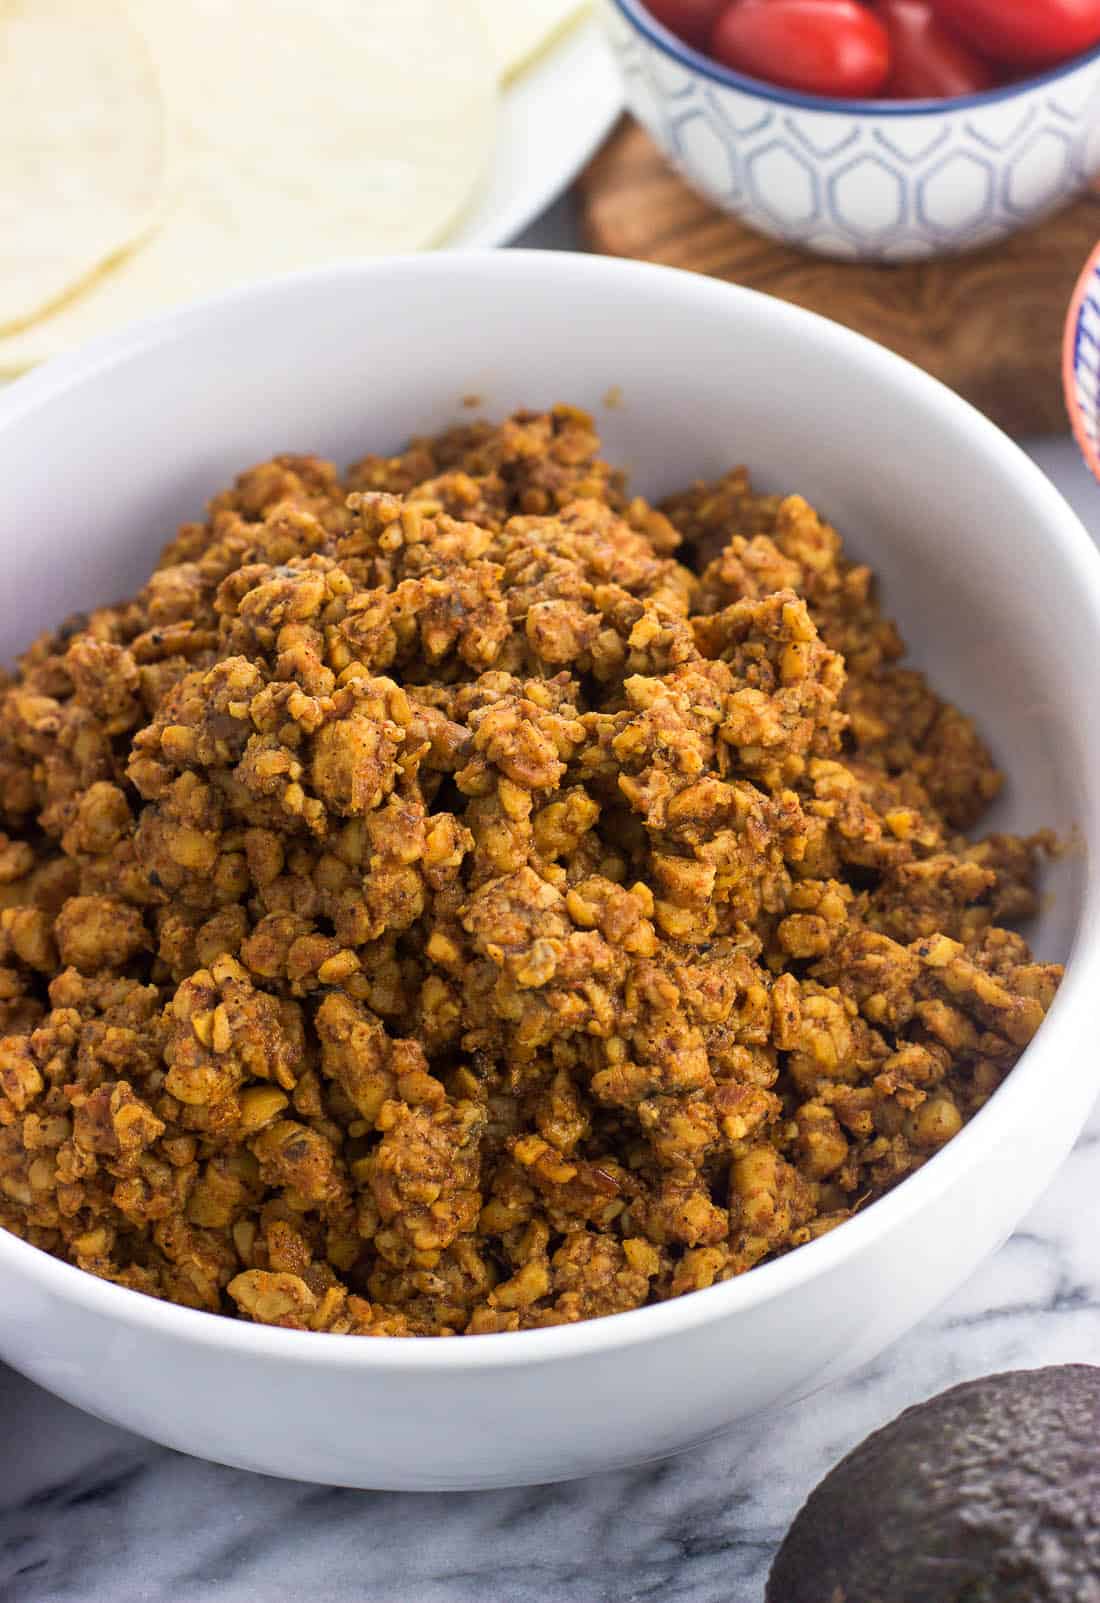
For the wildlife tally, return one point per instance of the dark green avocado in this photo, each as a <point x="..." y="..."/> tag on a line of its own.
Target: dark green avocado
<point x="988" y="1493"/>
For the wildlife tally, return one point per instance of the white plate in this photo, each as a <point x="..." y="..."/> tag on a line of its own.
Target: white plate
<point x="552" y="118"/>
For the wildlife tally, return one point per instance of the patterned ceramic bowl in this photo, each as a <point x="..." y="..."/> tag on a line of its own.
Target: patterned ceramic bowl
<point x="1081" y="362"/>
<point x="880" y="180"/>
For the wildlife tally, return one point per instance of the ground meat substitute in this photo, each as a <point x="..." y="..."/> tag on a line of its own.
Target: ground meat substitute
<point x="429" y="907"/>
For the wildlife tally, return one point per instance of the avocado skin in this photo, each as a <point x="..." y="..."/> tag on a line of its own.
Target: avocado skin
<point x="988" y="1493"/>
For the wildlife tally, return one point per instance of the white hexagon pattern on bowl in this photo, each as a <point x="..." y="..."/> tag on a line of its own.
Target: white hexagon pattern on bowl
<point x="876" y="180"/>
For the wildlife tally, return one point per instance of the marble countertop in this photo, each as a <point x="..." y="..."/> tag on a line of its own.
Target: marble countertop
<point x="91" y="1514"/>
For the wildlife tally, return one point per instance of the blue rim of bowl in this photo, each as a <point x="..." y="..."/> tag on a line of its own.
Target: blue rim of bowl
<point x="647" y="25"/>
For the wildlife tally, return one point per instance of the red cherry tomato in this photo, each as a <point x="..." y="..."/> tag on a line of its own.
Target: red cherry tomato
<point x="689" y="20"/>
<point x="927" y="60"/>
<point x="824" y="47"/>
<point x="1025" y="33"/>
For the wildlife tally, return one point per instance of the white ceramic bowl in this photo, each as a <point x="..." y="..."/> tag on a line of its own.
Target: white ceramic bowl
<point x="876" y="179"/>
<point x="998" y="586"/>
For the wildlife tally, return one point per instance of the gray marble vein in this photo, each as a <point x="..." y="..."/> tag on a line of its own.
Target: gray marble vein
<point x="91" y="1514"/>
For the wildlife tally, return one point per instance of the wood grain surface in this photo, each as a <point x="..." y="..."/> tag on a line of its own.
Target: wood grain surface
<point x="989" y="324"/>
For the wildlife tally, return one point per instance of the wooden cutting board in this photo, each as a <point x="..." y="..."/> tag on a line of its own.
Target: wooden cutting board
<point x="988" y="324"/>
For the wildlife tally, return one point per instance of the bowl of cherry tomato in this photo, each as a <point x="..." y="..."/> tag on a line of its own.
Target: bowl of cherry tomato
<point x="884" y="130"/>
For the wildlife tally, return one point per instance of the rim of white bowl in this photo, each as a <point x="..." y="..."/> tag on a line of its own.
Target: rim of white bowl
<point x="1057" y="1035"/>
<point x="644" y="22"/>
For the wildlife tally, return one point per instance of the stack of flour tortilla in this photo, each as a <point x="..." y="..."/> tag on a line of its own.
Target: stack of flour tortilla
<point x="152" y="151"/>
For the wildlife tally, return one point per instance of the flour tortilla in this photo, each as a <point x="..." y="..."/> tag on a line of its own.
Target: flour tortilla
<point x="81" y="147"/>
<point x="303" y="131"/>
<point x="520" y="30"/>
